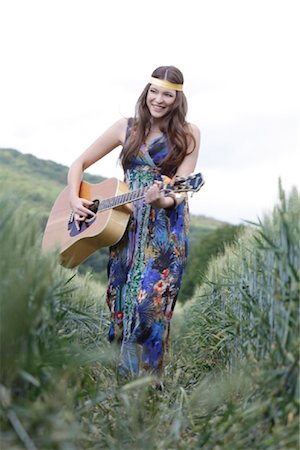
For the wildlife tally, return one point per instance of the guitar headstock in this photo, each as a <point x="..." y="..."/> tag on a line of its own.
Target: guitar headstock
<point x="192" y="183"/>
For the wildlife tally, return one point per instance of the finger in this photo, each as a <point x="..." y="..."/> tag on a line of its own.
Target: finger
<point x="80" y="213"/>
<point x="79" y="216"/>
<point x="85" y="212"/>
<point x="88" y="212"/>
<point x="155" y="193"/>
<point x="148" y="198"/>
<point x="153" y="190"/>
<point x="77" y="222"/>
<point x="87" y="202"/>
<point x="78" y="219"/>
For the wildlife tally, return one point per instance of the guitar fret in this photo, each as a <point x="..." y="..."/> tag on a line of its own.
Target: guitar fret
<point x="127" y="197"/>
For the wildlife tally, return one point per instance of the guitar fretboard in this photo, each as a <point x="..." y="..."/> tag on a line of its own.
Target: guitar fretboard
<point x="122" y="199"/>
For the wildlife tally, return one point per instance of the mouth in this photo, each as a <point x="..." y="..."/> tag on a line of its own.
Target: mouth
<point x="158" y="108"/>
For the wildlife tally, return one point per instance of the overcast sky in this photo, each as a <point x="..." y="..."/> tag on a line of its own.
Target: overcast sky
<point x="70" y="68"/>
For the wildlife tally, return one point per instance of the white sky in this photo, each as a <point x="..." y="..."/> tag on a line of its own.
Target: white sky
<point x="70" y="68"/>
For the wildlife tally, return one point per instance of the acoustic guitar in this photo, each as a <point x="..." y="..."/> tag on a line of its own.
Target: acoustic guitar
<point x="111" y="204"/>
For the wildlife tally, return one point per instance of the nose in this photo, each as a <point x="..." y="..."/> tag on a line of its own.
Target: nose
<point x="159" y="98"/>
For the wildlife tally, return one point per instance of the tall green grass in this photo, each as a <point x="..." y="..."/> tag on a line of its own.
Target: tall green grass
<point x="53" y="329"/>
<point x="243" y="325"/>
<point x="231" y="377"/>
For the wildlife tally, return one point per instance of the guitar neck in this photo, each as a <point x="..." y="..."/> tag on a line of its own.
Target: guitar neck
<point x="122" y="199"/>
<point x="182" y="184"/>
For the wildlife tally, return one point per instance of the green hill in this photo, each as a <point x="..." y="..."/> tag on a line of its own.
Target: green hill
<point x="34" y="179"/>
<point x="40" y="167"/>
<point x="36" y="182"/>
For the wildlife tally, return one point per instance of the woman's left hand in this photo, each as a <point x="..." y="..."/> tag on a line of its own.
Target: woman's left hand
<point x="155" y="197"/>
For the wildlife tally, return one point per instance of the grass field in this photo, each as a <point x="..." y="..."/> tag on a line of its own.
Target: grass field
<point x="232" y="376"/>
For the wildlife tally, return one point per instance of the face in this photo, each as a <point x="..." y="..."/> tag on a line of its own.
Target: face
<point x="160" y="100"/>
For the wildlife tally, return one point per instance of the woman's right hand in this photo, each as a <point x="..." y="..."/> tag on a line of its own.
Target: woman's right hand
<point x="80" y="209"/>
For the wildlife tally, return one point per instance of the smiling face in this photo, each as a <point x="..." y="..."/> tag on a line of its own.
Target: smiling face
<point x="160" y="100"/>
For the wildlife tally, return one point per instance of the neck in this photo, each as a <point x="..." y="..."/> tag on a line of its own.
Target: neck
<point x="155" y="125"/>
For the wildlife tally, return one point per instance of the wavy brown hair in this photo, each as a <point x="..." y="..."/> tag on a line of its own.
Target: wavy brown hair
<point x="173" y="125"/>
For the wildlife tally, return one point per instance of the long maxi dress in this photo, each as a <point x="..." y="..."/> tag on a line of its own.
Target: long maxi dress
<point x="145" y="269"/>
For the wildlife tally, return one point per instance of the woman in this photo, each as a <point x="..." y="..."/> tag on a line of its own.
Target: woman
<point x="146" y="266"/>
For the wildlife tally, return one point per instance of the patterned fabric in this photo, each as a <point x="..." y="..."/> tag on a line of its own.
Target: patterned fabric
<point x="145" y="269"/>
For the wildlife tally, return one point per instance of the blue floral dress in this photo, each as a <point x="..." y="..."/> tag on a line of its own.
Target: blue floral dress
<point x="145" y="269"/>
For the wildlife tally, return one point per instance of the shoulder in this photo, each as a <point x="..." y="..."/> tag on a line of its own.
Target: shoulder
<point x="121" y="124"/>
<point x="194" y="137"/>
<point x="120" y="128"/>
<point x="194" y="130"/>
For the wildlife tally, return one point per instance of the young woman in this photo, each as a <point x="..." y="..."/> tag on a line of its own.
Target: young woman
<point x="145" y="267"/>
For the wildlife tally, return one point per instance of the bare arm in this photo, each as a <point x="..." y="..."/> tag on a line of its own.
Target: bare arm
<point x="110" y="139"/>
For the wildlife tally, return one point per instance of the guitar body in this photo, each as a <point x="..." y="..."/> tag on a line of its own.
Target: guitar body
<point x="104" y="230"/>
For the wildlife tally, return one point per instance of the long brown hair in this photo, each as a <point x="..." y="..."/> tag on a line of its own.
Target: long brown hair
<point x="173" y="125"/>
